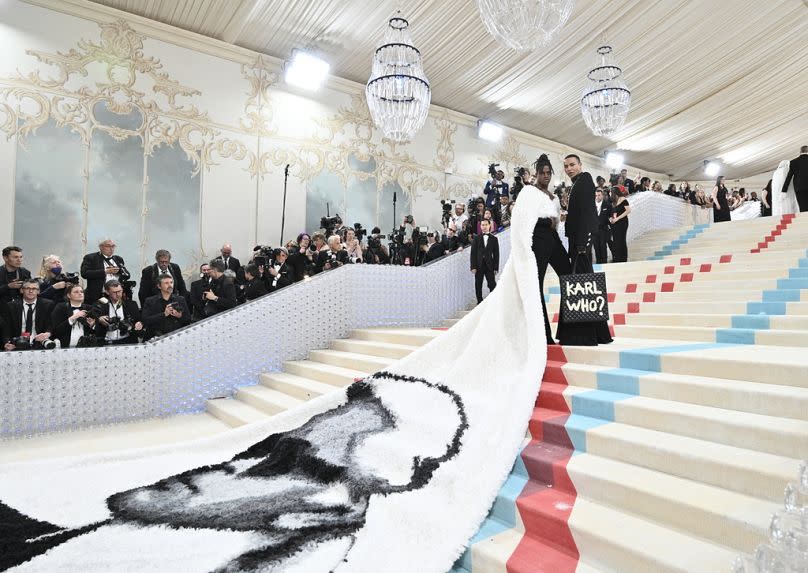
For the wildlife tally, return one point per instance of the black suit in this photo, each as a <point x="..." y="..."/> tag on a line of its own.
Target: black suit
<point x="329" y="256"/>
<point x="798" y="171"/>
<point x="602" y="237"/>
<point x="254" y="289"/>
<point x="92" y="269"/>
<point x="42" y="316"/>
<point x="225" y="290"/>
<point x="582" y="221"/>
<point x="131" y="312"/>
<point x="485" y="263"/>
<point x="62" y="327"/>
<point x="154" y="316"/>
<point x="7" y="294"/>
<point x="148" y="281"/>
<point x="435" y="252"/>
<point x="197" y="303"/>
<point x="285" y="277"/>
<point x="233" y="264"/>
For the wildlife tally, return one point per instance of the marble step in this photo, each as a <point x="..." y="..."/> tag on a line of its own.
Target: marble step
<point x="267" y="400"/>
<point x="234" y="412"/>
<point x="788" y="338"/>
<point x="328" y="373"/>
<point x="650" y="318"/>
<point x="408" y="336"/>
<point x="298" y="387"/>
<point x="353" y="361"/>
<point x="381" y="349"/>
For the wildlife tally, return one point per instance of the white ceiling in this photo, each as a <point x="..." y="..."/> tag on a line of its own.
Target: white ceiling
<point x="710" y="79"/>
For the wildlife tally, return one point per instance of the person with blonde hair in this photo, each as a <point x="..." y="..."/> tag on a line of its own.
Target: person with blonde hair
<point x="53" y="279"/>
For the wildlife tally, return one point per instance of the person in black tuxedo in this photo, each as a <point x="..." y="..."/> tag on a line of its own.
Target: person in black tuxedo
<point x="629" y="183"/>
<point x="71" y="320"/>
<point x="254" y="285"/>
<point x="581" y="226"/>
<point x="31" y="314"/>
<point x="163" y="266"/>
<point x="12" y="274"/>
<point x="434" y="248"/>
<point x="165" y="312"/>
<point x="222" y="292"/>
<point x="196" y="302"/>
<point x="122" y="310"/>
<point x="603" y="208"/>
<point x="98" y="268"/>
<point x="333" y="257"/>
<point x="279" y="274"/>
<point x="798" y="171"/>
<point x="484" y="259"/>
<point x="231" y="263"/>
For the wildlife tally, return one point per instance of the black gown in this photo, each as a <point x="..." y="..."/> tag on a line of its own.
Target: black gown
<point x="723" y="214"/>
<point x="548" y="249"/>
<point x="619" y="231"/>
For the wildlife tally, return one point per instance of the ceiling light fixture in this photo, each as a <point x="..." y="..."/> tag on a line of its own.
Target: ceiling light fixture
<point x="489" y="131"/>
<point x="606" y="99"/>
<point x="306" y="71"/>
<point x="524" y="25"/>
<point x="711" y="168"/>
<point x="398" y="92"/>
<point x="614" y="160"/>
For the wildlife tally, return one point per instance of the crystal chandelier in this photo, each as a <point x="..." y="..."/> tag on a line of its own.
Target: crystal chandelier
<point x="606" y="98"/>
<point x="524" y="25"/>
<point x="398" y="92"/>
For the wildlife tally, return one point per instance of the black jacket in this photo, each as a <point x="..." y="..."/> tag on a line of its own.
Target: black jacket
<point x="42" y="317"/>
<point x="157" y="322"/>
<point x="225" y="290"/>
<point x="254" y="288"/>
<point x="285" y="278"/>
<point x="233" y="264"/>
<point x="604" y="215"/>
<point x="131" y="311"/>
<point x="798" y="170"/>
<point x="148" y="281"/>
<point x="298" y="263"/>
<point x="92" y="269"/>
<point x="197" y="303"/>
<point x="329" y="256"/>
<point x="435" y="252"/>
<point x="7" y="294"/>
<point x="485" y="257"/>
<point x="582" y="221"/>
<point x="62" y="328"/>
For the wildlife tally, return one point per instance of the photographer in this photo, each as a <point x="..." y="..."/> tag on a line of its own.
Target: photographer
<point x="495" y="186"/>
<point x="376" y="253"/>
<point x="221" y="294"/>
<point x="254" y="285"/>
<point x="450" y="243"/>
<point x="318" y="244"/>
<point x="198" y="287"/>
<point x="433" y="249"/>
<point x="505" y="208"/>
<point x="29" y="319"/>
<point x="105" y="265"/>
<point x="12" y="274"/>
<point x="332" y="258"/>
<point x="53" y="280"/>
<point x="477" y="210"/>
<point x="162" y="267"/>
<point x="118" y="320"/>
<point x="166" y="312"/>
<point x="353" y="246"/>
<point x="73" y="320"/>
<point x="300" y="257"/>
<point x="460" y="216"/>
<point x="279" y="274"/>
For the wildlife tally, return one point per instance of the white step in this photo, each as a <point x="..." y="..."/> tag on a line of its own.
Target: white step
<point x="351" y="360"/>
<point x="372" y="348"/>
<point x="267" y="400"/>
<point x="298" y="387"/>
<point x="234" y="412"/>
<point x="336" y="375"/>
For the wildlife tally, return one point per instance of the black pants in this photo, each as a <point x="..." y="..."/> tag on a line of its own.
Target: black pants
<point x="490" y="278"/>
<point x="548" y="249"/>
<point x="601" y="244"/>
<point x="620" y="249"/>
<point x="802" y="199"/>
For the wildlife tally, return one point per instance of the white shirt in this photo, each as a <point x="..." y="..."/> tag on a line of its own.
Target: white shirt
<point x="24" y="313"/>
<point x="485" y="240"/>
<point x="597" y="207"/>
<point x="113" y="312"/>
<point x="108" y="264"/>
<point x="460" y="219"/>
<point x="275" y="280"/>
<point x="76" y="332"/>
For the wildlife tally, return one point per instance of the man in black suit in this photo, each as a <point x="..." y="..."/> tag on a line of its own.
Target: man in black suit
<point x="12" y="274"/>
<point x="582" y="222"/>
<point x="254" y="284"/>
<point x="231" y="263"/>
<point x="279" y="274"/>
<point x="333" y="257"/>
<point x="629" y="183"/>
<point x="116" y="310"/>
<point x="603" y="208"/>
<point x="98" y="268"/>
<point x="484" y="259"/>
<point x="196" y="301"/>
<point x="798" y="171"/>
<point x="30" y="315"/>
<point x="165" y="312"/>
<point x="163" y="266"/>
<point x="222" y="293"/>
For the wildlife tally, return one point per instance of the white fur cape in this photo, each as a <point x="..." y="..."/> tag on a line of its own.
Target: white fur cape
<point x="492" y="361"/>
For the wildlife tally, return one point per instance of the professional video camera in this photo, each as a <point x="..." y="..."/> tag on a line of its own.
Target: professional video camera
<point x="263" y="255"/>
<point x="330" y="223"/>
<point x="26" y="343"/>
<point x="72" y="278"/>
<point x="446" y="215"/>
<point x="518" y="181"/>
<point x="492" y="170"/>
<point x="125" y="278"/>
<point x="360" y="231"/>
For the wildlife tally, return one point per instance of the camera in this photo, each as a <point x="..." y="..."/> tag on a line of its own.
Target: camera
<point x="90" y="341"/>
<point x="120" y="325"/>
<point x="330" y="223"/>
<point x="263" y="255"/>
<point x="408" y="219"/>
<point x="360" y="231"/>
<point x="492" y="170"/>
<point x="72" y="278"/>
<point x="27" y="343"/>
<point x="446" y="211"/>
<point x="374" y="242"/>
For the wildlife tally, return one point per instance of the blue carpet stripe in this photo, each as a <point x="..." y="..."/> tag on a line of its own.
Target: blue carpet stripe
<point x="759" y="321"/>
<point x="735" y="335"/>
<point x="621" y="380"/>
<point x="650" y="359"/>
<point x="677" y="243"/>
